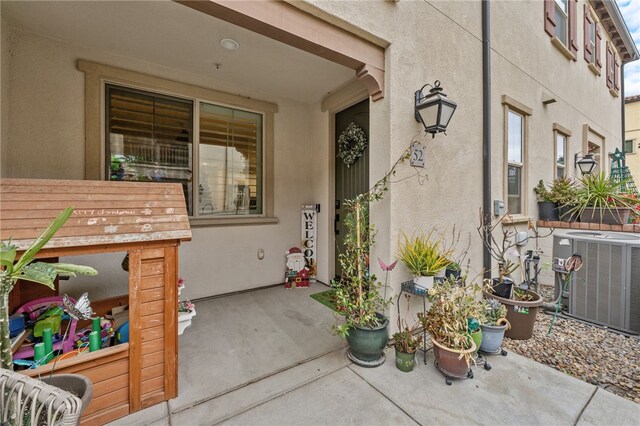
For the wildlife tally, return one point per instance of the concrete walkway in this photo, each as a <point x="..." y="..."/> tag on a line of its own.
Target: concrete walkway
<point x="279" y="381"/>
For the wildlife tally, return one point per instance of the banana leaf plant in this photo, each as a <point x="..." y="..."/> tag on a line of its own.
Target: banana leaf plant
<point x="26" y="269"/>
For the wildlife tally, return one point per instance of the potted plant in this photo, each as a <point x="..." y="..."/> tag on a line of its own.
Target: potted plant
<point x="601" y="200"/>
<point x="522" y="305"/>
<point x="546" y="204"/>
<point x="406" y="344"/>
<point x="457" y="257"/>
<point x="564" y="193"/>
<point x="447" y="321"/>
<point x="423" y="255"/>
<point x="186" y="310"/>
<point x="358" y="295"/>
<point x="493" y="324"/>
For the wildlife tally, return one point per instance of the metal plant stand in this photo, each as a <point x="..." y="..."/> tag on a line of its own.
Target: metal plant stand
<point x="412" y="288"/>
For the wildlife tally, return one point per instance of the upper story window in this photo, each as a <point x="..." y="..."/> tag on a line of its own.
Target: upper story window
<point x="629" y="146"/>
<point x="592" y="41"/>
<point x="613" y="70"/>
<point x="560" y="24"/>
<point x="151" y="138"/>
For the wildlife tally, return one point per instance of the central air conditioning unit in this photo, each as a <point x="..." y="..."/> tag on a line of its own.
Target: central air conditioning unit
<point x="606" y="290"/>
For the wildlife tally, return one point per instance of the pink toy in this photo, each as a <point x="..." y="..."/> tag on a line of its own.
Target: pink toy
<point x="33" y="310"/>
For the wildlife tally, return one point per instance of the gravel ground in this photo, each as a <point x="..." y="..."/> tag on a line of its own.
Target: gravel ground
<point x="593" y="354"/>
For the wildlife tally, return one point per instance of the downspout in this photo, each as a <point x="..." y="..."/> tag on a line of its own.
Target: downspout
<point x="624" y="158"/>
<point x="486" y="133"/>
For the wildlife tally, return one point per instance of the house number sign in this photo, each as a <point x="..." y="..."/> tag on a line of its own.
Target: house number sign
<point x="417" y="155"/>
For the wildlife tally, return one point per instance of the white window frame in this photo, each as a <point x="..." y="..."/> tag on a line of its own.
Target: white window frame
<point x="512" y="105"/>
<point x="563" y="14"/>
<point x="559" y="130"/>
<point x="633" y="146"/>
<point x="98" y="75"/>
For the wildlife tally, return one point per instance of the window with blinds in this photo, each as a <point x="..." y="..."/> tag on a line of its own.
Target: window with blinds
<point x="230" y="166"/>
<point x="150" y="138"/>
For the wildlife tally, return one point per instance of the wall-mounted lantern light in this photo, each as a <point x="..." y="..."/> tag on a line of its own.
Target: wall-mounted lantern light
<point x="434" y="110"/>
<point x="586" y="163"/>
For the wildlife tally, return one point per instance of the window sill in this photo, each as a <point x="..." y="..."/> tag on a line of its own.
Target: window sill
<point x="614" y="93"/>
<point x="515" y="219"/>
<point x="594" y="69"/>
<point x="232" y="221"/>
<point x="563" y="49"/>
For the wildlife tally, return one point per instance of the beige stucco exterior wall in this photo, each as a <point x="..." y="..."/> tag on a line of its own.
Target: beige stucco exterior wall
<point x="632" y="132"/>
<point x="4" y="94"/>
<point x="46" y="140"/>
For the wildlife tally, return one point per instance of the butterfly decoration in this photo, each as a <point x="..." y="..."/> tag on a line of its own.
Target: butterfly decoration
<point x="386" y="267"/>
<point x="81" y="310"/>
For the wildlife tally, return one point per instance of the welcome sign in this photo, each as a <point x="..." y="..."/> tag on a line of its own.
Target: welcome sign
<point x="309" y="238"/>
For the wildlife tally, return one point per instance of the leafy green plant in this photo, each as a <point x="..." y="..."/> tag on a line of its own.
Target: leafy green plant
<point x="492" y="312"/>
<point x="423" y="254"/>
<point x="405" y="341"/>
<point x="564" y="192"/>
<point x="601" y="191"/>
<point x="451" y="307"/>
<point x="542" y="194"/>
<point x="26" y="269"/>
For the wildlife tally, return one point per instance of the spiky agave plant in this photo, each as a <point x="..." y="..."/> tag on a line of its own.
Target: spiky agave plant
<point x="26" y="269"/>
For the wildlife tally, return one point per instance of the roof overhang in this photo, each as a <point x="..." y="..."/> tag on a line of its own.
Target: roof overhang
<point x="613" y="22"/>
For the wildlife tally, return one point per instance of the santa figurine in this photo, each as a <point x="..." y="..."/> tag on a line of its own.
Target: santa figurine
<point x="296" y="273"/>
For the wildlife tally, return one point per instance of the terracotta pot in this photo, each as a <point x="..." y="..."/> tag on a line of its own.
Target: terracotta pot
<point x="452" y="362"/>
<point x="521" y="315"/>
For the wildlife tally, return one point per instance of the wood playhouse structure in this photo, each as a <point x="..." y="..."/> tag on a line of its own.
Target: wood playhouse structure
<point x="149" y="221"/>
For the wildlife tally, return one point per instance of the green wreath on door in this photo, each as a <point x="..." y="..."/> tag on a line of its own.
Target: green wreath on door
<point x="351" y="144"/>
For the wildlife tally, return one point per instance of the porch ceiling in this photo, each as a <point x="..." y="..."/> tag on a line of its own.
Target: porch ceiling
<point x="178" y="37"/>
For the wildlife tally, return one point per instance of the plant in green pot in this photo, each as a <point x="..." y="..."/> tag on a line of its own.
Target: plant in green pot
<point x="447" y="321"/>
<point x="406" y="343"/>
<point x="424" y="257"/>
<point x="547" y="208"/>
<point x="600" y="199"/>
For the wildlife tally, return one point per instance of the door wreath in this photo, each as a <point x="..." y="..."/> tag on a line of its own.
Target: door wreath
<point x="351" y="143"/>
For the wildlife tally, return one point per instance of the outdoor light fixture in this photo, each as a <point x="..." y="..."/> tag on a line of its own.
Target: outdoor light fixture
<point x="434" y="110"/>
<point x="586" y="163"/>
<point x="229" y="44"/>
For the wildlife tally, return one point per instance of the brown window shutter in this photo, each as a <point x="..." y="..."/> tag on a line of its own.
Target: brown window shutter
<point x="588" y="53"/>
<point x="609" y="66"/>
<point x="616" y="75"/>
<point x="573" y="27"/>
<point x="550" y="17"/>
<point x="598" y="44"/>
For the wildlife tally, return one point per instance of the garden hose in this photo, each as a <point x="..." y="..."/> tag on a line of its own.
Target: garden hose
<point x="573" y="263"/>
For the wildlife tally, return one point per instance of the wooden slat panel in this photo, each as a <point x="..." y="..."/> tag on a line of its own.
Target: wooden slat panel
<point x="149" y="321"/>
<point x="84" y="362"/>
<point x="154" y="358"/>
<point x="152" y="372"/>
<point x="153" y="334"/>
<point x="112" y="384"/>
<point x="152" y="294"/>
<point x="171" y="323"/>
<point x="105" y="212"/>
<point x="152" y="346"/>
<point x="155" y="384"/>
<point x="154" y="281"/>
<point x="102" y="417"/>
<point x="153" y="307"/>
<point x="153" y="399"/>
<point x="153" y="254"/>
<point x="152" y="267"/>
<point x="108" y="400"/>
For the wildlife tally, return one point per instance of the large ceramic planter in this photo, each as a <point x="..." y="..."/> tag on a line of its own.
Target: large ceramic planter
<point x="426" y="282"/>
<point x="547" y="210"/>
<point x="184" y="320"/>
<point x="452" y="362"/>
<point x="405" y="361"/>
<point x="520" y="314"/>
<point x="492" y="336"/>
<point x="366" y="345"/>
<point x="610" y="216"/>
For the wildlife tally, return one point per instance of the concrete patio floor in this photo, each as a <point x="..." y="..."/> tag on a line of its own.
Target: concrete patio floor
<point x="267" y="358"/>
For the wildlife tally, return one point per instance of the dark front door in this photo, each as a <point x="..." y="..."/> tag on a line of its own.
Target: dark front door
<point x="352" y="180"/>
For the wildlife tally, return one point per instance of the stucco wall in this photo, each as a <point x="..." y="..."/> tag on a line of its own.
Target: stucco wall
<point x="632" y="131"/>
<point x="4" y="94"/>
<point x="46" y="138"/>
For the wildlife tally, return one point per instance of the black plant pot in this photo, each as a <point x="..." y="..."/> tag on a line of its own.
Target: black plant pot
<point x="547" y="210"/>
<point x="565" y="215"/>
<point x="502" y="288"/>
<point x="452" y="274"/>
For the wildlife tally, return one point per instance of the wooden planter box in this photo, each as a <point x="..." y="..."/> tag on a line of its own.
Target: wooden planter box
<point x="147" y="220"/>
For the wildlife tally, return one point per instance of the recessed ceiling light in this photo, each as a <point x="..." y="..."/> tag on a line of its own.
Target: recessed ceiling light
<point x="229" y="44"/>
